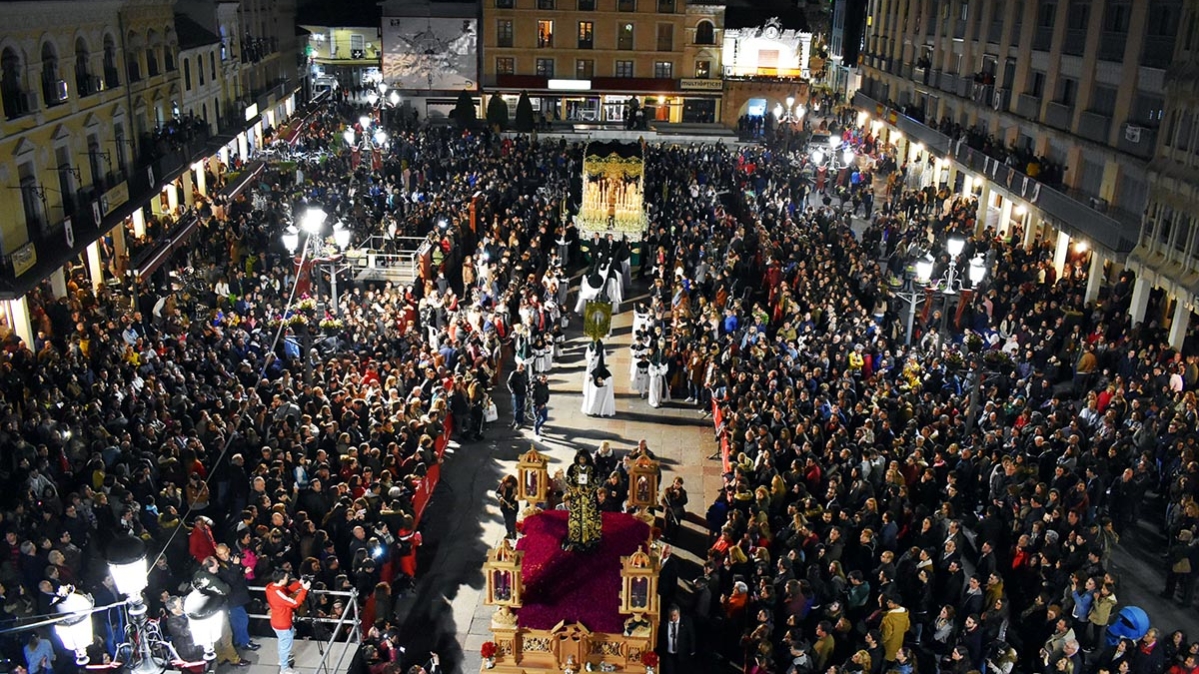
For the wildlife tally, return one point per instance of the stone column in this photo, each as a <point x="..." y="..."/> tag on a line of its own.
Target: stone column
<point x="1095" y="277"/>
<point x="18" y="310"/>
<point x="94" y="267"/>
<point x="1059" y="252"/>
<point x="1182" y="321"/>
<point x="1140" y="299"/>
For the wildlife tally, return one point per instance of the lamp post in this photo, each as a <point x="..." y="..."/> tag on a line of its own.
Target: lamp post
<point x="789" y="114"/>
<point x="205" y="616"/>
<point x="74" y="629"/>
<point x="127" y="566"/>
<point x="914" y="287"/>
<point x="918" y="280"/>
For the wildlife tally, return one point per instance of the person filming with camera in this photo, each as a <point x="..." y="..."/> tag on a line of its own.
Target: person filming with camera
<point x="284" y="596"/>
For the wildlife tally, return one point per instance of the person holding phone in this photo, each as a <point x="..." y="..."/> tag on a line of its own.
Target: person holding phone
<point x="433" y="666"/>
<point x="284" y="596"/>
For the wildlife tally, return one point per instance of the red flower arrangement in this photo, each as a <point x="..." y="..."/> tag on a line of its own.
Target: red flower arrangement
<point x="488" y="649"/>
<point x="649" y="659"/>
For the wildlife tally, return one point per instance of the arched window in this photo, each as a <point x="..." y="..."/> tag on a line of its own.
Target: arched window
<point x="152" y="54"/>
<point x="52" y="92"/>
<point x="187" y="75"/>
<point x="112" y="76"/>
<point x="200" y="69"/>
<point x="10" y="84"/>
<point x="83" y="69"/>
<point x="705" y="33"/>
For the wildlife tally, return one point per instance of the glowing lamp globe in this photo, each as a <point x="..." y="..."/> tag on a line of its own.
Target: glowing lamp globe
<point x="341" y="236"/>
<point x="955" y="245"/>
<point x="380" y="136"/>
<point x="924" y="270"/>
<point x="394" y="97"/>
<point x="365" y="122"/>
<point x="348" y="135"/>
<point x="847" y="156"/>
<point x="817" y="156"/>
<point x="74" y="630"/>
<point x="372" y="97"/>
<point x="127" y="565"/>
<point x="291" y="239"/>
<point x="314" y="218"/>
<point x="205" y="617"/>
<point x="978" y="270"/>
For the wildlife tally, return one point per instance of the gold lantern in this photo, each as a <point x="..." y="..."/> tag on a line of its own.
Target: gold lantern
<point x="503" y="575"/>
<point x="533" y="476"/>
<point x="643" y="482"/>
<point x="639" y="584"/>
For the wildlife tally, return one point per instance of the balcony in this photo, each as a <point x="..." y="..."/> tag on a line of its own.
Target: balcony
<point x="1111" y="45"/>
<point x="949" y="83"/>
<point x="1094" y="126"/>
<point x="18" y="102"/>
<point x="1157" y="52"/>
<point x="964" y="87"/>
<point x="1113" y="229"/>
<point x="166" y="155"/>
<point x="1075" y="43"/>
<point x="1137" y="140"/>
<point x="1042" y="38"/>
<point x="112" y="77"/>
<point x="905" y="71"/>
<point x="1058" y="115"/>
<point x="1029" y="106"/>
<point x="994" y="32"/>
<point x="983" y="94"/>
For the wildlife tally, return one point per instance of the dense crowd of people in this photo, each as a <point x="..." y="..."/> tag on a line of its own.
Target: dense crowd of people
<point x="869" y="523"/>
<point x="871" y="520"/>
<point x="201" y="420"/>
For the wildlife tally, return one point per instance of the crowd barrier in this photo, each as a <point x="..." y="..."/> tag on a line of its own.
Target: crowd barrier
<point x="424" y="490"/>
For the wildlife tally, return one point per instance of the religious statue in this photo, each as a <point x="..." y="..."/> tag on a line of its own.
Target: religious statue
<point x="584" y="526"/>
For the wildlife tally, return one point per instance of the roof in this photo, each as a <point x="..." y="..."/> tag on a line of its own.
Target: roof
<point x="341" y="13"/>
<point x="752" y="13"/>
<point x="192" y="34"/>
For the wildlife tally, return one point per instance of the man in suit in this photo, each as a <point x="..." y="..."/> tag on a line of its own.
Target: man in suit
<point x="668" y="577"/>
<point x="678" y="643"/>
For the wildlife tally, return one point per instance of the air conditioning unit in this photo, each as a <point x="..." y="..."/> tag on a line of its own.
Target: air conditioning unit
<point x="1132" y="133"/>
<point x="60" y="91"/>
<point x="357" y="53"/>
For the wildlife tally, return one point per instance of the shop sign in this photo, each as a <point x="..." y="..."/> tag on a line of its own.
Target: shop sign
<point x="116" y="196"/>
<point x="23" y="259"/>
<point x="697" y="84"/>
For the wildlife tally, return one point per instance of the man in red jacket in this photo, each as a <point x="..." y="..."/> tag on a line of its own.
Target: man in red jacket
<point x="284" y="596"/>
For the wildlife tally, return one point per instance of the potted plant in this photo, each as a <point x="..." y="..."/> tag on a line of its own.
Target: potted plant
<point x="488" y="651"/>
<point x="650" y="660"/>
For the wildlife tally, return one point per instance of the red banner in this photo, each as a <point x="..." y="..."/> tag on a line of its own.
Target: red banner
<point x="718" y="421"/>
<point x="424" y="490"/>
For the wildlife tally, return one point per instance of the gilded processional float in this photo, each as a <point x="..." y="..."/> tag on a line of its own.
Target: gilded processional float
<point x="613" y="200"/>
<point x="560" y="609"/>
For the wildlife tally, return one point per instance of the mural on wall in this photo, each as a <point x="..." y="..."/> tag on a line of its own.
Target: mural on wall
<point x="425" y="53"/>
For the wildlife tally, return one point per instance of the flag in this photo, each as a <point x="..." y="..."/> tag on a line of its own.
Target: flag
<point x="1036" y="192"/>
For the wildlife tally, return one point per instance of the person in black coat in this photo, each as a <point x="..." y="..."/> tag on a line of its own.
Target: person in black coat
<point x="677" y="643"/>
<point x="668" y="577"/>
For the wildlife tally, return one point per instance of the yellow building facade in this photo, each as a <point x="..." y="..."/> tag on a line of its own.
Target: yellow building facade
<point x="582" y="60"/>
<point x="93" y="140"/>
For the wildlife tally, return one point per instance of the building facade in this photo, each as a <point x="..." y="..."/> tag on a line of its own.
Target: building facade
<point x="767" y="50"/>
<point x="1166" y="259"/>
<point x="96" y="143"/>
<point x="1048" y="110"/>
<point x="202" y="73"/>
<point x="583" y="60"/>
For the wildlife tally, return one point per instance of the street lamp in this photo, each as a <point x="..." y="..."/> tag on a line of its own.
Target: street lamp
<point x="372" y="98"/>
<point x="977" y="271"/>
<point x="394" y="97"/>
<point x="914" y="286"/>
<point x="817" y="156"/>
<point x="349" y="136"/>
<point x="365" y="122"/>
<point x="206" y="618"/>
<point x="74" y="629"/>
<point x="291" y="239"/>
<point x="127" y="566"/>
<point x="314" y="219"/>
<point x="954" y="247"/>
<point x="380" y="137"/>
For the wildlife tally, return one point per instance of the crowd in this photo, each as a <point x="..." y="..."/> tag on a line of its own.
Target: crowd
<point x="867" y="525"/>
<point x="199" y="420"/>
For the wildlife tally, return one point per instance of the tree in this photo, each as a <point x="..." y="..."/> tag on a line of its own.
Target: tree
<point x="497" y="112"/>
<point x="464" y="111"/>
<point x="524" y="113"/>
